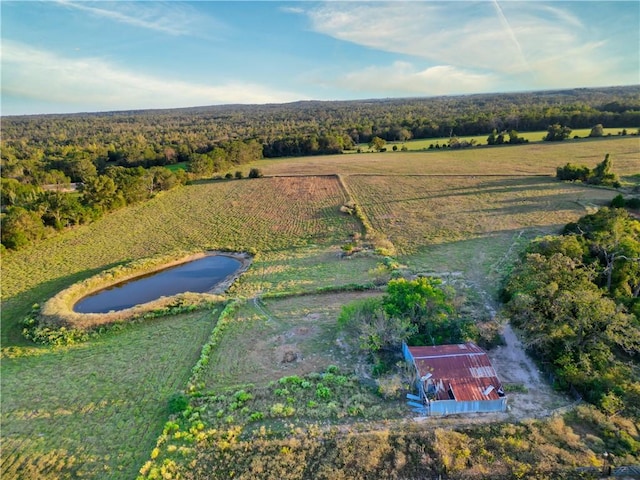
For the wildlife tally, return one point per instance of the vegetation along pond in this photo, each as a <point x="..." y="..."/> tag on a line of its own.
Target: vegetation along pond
<point x="196" y="276"/>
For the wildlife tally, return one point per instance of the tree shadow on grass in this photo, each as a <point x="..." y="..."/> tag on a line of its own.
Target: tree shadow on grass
<point x="15" y="308"/>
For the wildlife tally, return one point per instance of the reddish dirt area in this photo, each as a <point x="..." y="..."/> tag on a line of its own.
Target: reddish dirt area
<point x="534" y="397"/>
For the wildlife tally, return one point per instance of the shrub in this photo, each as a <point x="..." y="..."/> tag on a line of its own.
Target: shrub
<point x="618" y="201"/>
<point x="178" y="403"/>
<point x="633" y="203"/>
<point x="256" y="416"/>
<point x="255" y="173"/>
<point x="323" y="392"/>
<point x="239" y="174"/>
<point x="571" y="172"/>
<point x="241" y="396"/>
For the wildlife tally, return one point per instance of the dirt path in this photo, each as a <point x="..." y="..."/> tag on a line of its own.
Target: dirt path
<point x="516" y="368"/>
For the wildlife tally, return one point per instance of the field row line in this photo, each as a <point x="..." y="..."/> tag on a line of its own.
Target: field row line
<point x="303" y="175"/>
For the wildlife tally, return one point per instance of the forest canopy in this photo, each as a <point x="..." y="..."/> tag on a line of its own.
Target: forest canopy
<point x="576" y="299"/>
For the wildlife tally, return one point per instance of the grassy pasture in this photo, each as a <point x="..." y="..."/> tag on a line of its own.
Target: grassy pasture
<point x="267" y="214"/>
<point x="254" y="347"/>
<point x="177" y="166"/>
<point x="416" y="211"/>
<point x="424" y="143"/>
<point x="532" y="159"/>
<point x="99" y="407"/>
<point x="96" y="410"/>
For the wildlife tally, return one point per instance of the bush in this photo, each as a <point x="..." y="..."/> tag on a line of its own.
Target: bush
<point x="633" y="203"/>
<point x="239" y="174"/>
<point x="178" y="403"/>
<point x="323" y="392"/>
<point x="571" y="172"/>
<point x="255" y="173"/>
<point x="618" y="202"/>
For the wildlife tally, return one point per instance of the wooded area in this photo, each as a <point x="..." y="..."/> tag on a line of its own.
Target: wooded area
<point x="577" y="299"/>
<point x="116" y="158"/>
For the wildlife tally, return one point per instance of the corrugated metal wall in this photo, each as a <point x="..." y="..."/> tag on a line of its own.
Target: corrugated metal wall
<point x="451" y="407"/>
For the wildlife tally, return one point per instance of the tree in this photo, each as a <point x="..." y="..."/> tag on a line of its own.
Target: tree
<point x="15" y="193"/>
<point x="201" y="165"/>
<point x="101" y="193"/>
<point x="61" y="209"/>
<point x="428" y="306"/>
<point x="20" y="227"/>
<point x="597" y="131"/>
<point x="602" y="174"/>
<point x="571" y="173"/>
<point x="613" y="238"/>
<point x="365" y="322"/>
<point x="255" y="173"/>
<point x="557" y="132"/>
<point x="377" y="143"/>
<point x="514" y="139"/>
<point x="491" y="139"/>
<point x="162" y="178"/>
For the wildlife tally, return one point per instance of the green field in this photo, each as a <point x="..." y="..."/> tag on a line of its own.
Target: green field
<point x="481" y="140"/>
<point x="95" y="410"/>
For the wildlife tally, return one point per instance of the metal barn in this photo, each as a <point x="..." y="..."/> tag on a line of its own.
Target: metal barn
<point x="454" y="379"/>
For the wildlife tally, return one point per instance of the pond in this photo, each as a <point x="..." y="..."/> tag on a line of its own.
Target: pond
<point x="196" y="276"/>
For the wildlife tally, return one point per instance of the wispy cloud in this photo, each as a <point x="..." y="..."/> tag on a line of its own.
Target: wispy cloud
<point x="527" y="41"/>
<point x="173" y="18"/>
<point x="404" y="78"/>
<point x="94" y="84"/>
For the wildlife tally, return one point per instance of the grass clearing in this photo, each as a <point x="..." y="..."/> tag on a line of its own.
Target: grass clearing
<point x="96" y="410"/>
<point x="415" y="211"/>
<point x="531" y="159"/>
<point x="481" y="140"/>
<point x="266" y="214"/>
<point x="304" y="270"/>
<point x="280" y="337"/>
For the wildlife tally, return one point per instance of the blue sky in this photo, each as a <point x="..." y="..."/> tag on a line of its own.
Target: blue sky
<point x="75" y="56"/>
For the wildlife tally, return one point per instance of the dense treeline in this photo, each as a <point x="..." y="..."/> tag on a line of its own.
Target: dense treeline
<point x="31" y="212"/>
<point x="577" y="299"/>
<point x="117" y="158"/>
<point x="161" y="137"/>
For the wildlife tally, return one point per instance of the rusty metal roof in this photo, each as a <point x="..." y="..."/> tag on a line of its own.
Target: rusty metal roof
<point x="462" y="372"/>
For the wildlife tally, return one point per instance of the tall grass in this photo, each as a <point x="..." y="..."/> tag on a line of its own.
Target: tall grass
<point x="95" y="410"/>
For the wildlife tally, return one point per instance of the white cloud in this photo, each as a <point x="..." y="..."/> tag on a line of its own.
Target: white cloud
<point x="405" y="78"/>
<point x="528" y="41"/>
<point x="94" y="84"/>
<point x="173" y="18"/>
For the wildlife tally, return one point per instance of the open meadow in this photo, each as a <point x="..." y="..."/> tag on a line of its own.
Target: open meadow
<point x="97" y="409"/>
<point x="533" y="159"/>
<point x="481" y="140"/>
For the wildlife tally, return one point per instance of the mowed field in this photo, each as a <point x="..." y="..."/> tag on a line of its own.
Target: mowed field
<point x="415" y="211"/>
<point x="269" y="214"/>
<point x="95" y="410"/>
<point x="533" y="159"/>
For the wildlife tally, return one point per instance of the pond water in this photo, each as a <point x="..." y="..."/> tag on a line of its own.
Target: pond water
<point x="197" y="276"/>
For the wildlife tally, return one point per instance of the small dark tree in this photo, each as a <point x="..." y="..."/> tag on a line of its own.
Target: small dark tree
<point x="557" y="132"/>
<point x="514" y="139"/>
<point x="377" y="143"/>
<point x="571" y="172"/>
<point x="491" y="139"/>
<point x="602" y="174"/>
<point x="239" y="174"/>
<point x="255" y="173"/>
<point x="618" y="201"/>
